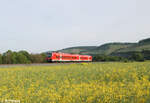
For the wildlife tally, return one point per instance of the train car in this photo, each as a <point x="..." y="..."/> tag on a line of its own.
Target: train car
<point x="65" y="57"/>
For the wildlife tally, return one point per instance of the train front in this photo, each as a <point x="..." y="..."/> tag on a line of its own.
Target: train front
<point x="49" y="56"/>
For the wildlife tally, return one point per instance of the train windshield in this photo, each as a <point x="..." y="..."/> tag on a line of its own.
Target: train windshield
<point x="49" y="54"/>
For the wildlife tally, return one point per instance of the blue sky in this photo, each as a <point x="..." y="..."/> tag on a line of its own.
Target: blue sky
<point x="42" y="25"/>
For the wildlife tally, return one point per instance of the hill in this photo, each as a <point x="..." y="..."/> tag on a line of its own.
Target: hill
<point x="117" y="49"/>
<point x="106" y="49"/>
<point x="143" y="46"/>
<point x="78" y="50"/>
<point x="140" y="46"/>
<point x="109" y="48"/>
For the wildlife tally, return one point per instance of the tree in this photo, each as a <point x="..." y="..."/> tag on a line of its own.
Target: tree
<point x="14" y="58"/>
<point x="22" y="59"/>
<point x="38" y="58"/>
<point x="6" y="58"/>
<point x="44" y="57"/>
<point x="0" y="59"/>
<point x="137" y="57"/>
<point x="25" y="53"/>
<point x="99" y="58"/>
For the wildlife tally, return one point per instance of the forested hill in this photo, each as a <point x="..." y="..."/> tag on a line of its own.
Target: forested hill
<point x="110" y="48"/>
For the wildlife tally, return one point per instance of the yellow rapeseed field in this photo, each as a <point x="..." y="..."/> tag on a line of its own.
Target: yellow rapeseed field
<point x="77" y="83"/>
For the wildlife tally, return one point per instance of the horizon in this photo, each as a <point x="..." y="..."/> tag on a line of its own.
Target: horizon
<point x="42" y="25"/>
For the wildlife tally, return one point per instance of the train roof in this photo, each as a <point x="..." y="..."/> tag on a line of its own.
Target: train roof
<point x="70" y="54"/>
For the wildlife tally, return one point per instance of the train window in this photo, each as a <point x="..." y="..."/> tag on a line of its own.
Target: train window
<point x="69" y="57"/>
<point x="57" y="57"/>
<point x="83" y="57"/>
<point x="74" y="57"/>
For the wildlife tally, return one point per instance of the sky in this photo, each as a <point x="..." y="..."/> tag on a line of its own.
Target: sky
<point x="44" y="25"/>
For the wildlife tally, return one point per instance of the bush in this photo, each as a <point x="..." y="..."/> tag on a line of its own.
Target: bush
<point x="108" y="58"/>
<point x="0" y="59"/>
<point x="137" y="57"/>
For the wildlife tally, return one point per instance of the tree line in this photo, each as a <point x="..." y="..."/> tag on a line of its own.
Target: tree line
<point x="21" y="57"/>
<point x="136" y="56"/>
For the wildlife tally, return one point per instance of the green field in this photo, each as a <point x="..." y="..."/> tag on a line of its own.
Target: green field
<point x="77" y="83"/>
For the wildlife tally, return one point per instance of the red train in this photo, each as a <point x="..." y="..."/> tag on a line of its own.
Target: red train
<point x="62" y="57"/>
